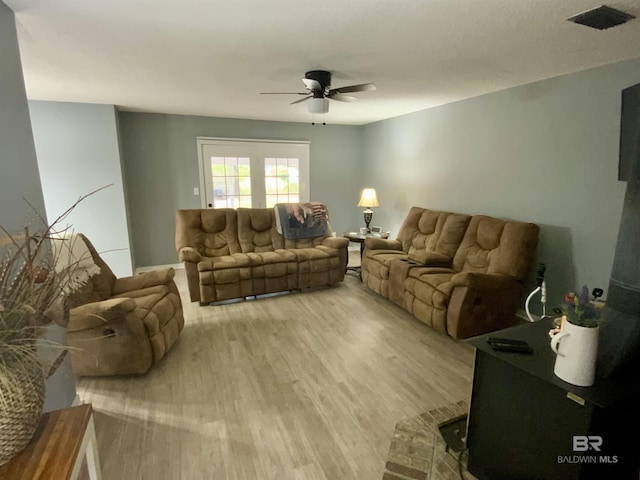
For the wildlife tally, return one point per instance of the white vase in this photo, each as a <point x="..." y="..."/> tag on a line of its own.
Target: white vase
<point x="576" y="348"/>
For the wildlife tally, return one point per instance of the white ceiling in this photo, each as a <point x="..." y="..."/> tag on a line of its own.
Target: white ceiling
<point x="213" y="57"/>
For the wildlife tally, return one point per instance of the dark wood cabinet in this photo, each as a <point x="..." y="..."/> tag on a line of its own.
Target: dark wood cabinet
<point x="523" y="419"/>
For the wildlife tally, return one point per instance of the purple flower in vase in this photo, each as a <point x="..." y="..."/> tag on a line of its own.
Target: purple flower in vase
<point x="580" y="310"/>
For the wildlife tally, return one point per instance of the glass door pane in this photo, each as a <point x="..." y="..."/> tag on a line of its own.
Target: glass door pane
<point x="227" y="177"/>
<point x="282" y="180"/>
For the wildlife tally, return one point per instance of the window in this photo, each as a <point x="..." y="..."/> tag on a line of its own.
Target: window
<point x="282" y="180"/>
<point x="231" y="182"/>
<point x="239" y="173"/>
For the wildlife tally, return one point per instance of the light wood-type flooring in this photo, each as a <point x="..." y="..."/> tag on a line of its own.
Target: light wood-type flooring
<point x="300" y="386"/>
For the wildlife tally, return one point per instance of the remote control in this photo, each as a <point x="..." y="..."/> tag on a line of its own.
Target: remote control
<point x="510" y="347"/>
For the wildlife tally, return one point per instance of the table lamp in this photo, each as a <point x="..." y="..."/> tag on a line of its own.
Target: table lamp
<point x="368" y="200"/>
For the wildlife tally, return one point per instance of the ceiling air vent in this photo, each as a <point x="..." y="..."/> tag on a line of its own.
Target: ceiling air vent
<point x="602" y="18"/>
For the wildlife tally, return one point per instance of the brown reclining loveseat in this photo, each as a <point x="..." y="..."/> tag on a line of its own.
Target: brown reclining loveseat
<point x="460" y="274"/>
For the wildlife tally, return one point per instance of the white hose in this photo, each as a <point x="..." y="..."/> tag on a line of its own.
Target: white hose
<point x="526" y="304"/>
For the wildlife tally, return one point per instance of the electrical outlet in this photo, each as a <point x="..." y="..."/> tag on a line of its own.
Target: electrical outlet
<point x="196" y="191"/>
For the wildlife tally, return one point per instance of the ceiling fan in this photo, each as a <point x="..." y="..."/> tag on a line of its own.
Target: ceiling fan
<point x="319" y="91"/>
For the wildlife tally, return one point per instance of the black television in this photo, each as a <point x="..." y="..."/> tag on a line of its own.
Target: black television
<point x="619" y="346"/>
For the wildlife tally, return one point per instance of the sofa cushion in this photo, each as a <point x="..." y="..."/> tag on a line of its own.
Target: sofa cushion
<point x="427" y="295"/>
<point x="304" y="242"/>
<point x="212" y="232"/>
<point x="270" y="258"/>
<point x="309" y="254"/>
<point x="431" y="285"/>
<point x="493" y="245"/>
<point x="432" y="231"/>
<point x="225" y="270"/>
<point x="379" y="261"/>
<point x="257" y="230"/>
<point x="225" y="261"/>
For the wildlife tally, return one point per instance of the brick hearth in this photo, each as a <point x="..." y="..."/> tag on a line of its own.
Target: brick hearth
<point x="417" y="450"/>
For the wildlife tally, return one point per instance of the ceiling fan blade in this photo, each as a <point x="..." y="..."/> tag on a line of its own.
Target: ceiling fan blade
<point x="301" y="100"/>
<point x="284" y="93"/>
<point x="363" y="87"/>
<point x="342" y="98"/>
<point x="312" y="84"/>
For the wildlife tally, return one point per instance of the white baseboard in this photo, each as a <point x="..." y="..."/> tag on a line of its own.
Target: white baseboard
<point x="175" y="266"/>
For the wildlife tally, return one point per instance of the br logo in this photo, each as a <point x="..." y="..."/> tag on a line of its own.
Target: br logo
<point x="583" y="443"/>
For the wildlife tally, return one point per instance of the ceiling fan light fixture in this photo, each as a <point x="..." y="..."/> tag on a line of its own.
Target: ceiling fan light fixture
<point x="318" y="105"/>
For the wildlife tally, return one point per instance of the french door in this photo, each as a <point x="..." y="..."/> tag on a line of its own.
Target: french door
<point x="252" y="173"/>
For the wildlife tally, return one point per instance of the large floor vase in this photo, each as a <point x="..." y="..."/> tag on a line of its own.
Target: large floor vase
<point x="21" y="408"/>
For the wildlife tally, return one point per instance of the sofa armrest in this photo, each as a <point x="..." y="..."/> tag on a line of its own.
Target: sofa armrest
<point x="375" y="243"/>
<point x="482" y="303"/>
<point x="189" y="254"/>
<point x="143" y="280"/>
<point x="431" y="259"/>
<point x="486" y="281"/>
<point x="98" y="314"/>
<point x="335" y="242"/>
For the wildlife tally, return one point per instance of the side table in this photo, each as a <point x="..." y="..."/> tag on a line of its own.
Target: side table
<point x="522" y="412"/>
<point x="360" y="238"/>
<point x="56" y="451"/>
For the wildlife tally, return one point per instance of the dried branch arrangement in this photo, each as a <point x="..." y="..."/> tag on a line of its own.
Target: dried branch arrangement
<point x="33" y="285"/>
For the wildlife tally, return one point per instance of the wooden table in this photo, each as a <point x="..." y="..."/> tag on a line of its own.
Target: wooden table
<point x="360" y="238"/>
<point x="62" y="440"/>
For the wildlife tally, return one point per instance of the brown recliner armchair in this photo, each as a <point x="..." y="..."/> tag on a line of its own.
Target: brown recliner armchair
<point x="122" y="325"/>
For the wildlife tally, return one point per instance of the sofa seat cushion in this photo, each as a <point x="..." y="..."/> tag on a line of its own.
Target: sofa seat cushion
<point x="225" y="269"/>
<point x="432" y="285"/>
<point x="427" y="295"/>
<point x="225" y="261"/>
<point x="279" y="263"/>
<point x="315" y="254"/>
<point x="315" y="260"/>
<point x="271" y="258"/>
<point x="378" y="262"/>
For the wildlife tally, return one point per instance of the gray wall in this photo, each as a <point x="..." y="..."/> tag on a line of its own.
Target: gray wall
<point x="20" y="179"/>
<point x="546" y="153"/>
<point x="161" y="170"/>
<point x="78" y="152"/>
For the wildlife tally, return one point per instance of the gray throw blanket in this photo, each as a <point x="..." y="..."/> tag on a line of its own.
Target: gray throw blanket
<point x="302" y="220"/>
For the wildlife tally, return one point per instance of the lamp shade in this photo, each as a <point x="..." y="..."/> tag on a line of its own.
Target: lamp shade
<point x="368" y="199"/>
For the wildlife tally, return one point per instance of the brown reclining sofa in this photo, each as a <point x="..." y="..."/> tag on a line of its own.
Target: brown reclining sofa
<point x="460" y="274"/>
<point x="239" y="253"/>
